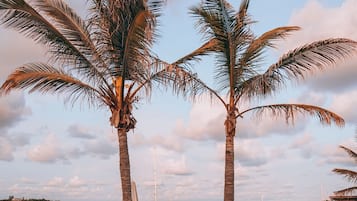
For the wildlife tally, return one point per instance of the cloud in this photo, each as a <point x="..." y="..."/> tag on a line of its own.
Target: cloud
<point x="19" y="50"/>
<point x="101" y="148"/>
<point x="344" y="104"/>
<point x="49" y="151"/>
<point x="78" y="131"/>
<point x="13" y="109"/>
<point x="332" y="154"/>
<point x="206" y="121"/>
<point x="301" y="141"/>
<point x="55" y="182"/>
<point x="248" y="153"/>
<point x="76" y="182"/>
<point x="6" y="149"/>
<point x="176" y="167"/>
<point x="341" y="23"/>
<point x="168" y="142"/>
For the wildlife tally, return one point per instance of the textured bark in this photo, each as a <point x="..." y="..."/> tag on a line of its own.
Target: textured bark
<point x="124" y="165"/>
<point x="230" y="125"/>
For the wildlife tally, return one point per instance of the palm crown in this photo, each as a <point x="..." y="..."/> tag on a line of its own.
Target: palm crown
<point x="105" y="60"/>
<point x="239" y="73"/>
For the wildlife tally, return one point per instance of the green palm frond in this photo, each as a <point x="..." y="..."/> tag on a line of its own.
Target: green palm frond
<point x="289" y="111"/>
<point x="297" y="64"/>
<point x="348" y="174"/>
<point x="47" y="79"/>
<point x="346" y="191"/>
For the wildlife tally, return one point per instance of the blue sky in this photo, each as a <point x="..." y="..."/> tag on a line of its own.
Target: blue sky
<point x="53" y="150"/>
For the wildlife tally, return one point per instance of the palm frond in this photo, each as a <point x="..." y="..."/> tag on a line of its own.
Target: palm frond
<point x="289" y="111"/>
<point x="181" y="80"/>
<point x="296" y="64"/>
<point x="205" y="49"/>
<point x="47" y="79"/>
<point x="137" y="48"/>
<point x="21" y="16"/>
<point x="256" y="47"/>
<point x="350" y="152"/>
<point x="350" y="175"/>
<point x="346" y="191"/>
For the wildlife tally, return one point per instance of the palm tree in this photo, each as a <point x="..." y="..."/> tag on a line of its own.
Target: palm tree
<point x="239" y="74"/>
<point x="349" y="174"/>
<point x="105" y="60"/>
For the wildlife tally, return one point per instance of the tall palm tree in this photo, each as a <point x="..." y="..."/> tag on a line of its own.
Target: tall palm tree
<point x="104" y="60"/>
<point x="349" y="174"/>
<point x="239" y="73"/>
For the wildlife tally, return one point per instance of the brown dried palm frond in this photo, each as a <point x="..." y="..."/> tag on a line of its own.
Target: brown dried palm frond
<point x="289" y="111"/>
<point x="346" y="191"/>
<point x="182" y="81"/>
<point x="252" y="55"/>
<point x="348" y="174"/>
<point x="217" y="19"/>
<point x="351" y="153"/>
<point x="205" y="49"/>
<point x="47" y="79"/>
<point x="21" y="16"/>
<point x="296" y="64"/>
<point x="125" y="33"/>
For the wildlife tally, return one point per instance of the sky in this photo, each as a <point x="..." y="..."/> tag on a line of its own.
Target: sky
<point x="49" y="149"/>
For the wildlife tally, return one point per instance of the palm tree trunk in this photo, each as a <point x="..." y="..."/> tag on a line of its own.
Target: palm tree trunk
<point x="230" y="125"/>
<point x="124" y="164"/>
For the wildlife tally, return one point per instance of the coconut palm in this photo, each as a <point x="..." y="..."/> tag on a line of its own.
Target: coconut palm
<point x="105" y="60"/>
<point x="240" y="75"/>
<point x="349" y="174"/>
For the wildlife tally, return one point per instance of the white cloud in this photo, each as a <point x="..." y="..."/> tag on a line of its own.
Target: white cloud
<point x="205" y="122"/>
<point x="6" y="149"/>
<point x="12" y="110"/>
<point x="55" y="182"/>
<point x="168" y="142"/>
<point x="48" y="151"/>
<point x="332" y="154"/>
<point x="247" y="153"/>
<point x="76" y="182"/>
<point x="78" y="131"/>
<point x="341" y="23"/>
<point x="301" y="141"/>
<point x="176" y="167"/>
<point x="344" y="104"/>
<point x="102" y="148"/>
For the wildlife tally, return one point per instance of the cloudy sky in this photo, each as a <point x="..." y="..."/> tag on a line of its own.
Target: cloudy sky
<point x="56" y="151"/>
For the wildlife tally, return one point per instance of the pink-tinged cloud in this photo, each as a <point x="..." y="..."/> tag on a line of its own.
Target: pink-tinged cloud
<point x="178" y="167"/>
<point x="6" y="150"/>
<point x="55" y="182"/>
<point x="76" y="182"/>
<point x="248" y="153"/>
<point x="345" y="104"/>
<point x="78" y="131"/>
<point x="13" y="109"/>
<point x="17" y="50"/>
<point x="206" y="123"/>
<point x="168" y="142"/>
<point x="332" y="154"/>
<point x="341" y="23"/>
<point x="48" y="151"/>
<point x="302" y="141"/>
